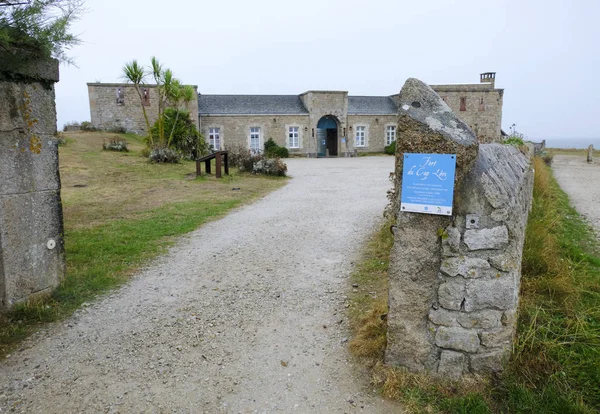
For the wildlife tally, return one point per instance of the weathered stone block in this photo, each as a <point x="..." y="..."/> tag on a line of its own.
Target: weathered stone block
<point x="457" y="338"/>
<point x="487" y="362"/>
<point x="451" y="294"/>
<point x="443" y="317"/>
<point x="496" y="337"/>
<point x="505" y="263"/>
<point x="495" y="238"/>
<point x="451" y="243"/>
<point x="452" y="364"/>
<point x="495" y="293"/>
<point x="509" y="317"/>
<point x="485" y="319"/>
<point x="31" y="231"/>
<point x="590" y="154"/>
<point x="464" y="266"/>
<point x="28" y="222"/>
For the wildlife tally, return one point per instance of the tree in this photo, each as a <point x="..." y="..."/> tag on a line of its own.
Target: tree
<point x="136" y="74"/>
<point x="37" y="29"/>
<point x="172" y="98"/>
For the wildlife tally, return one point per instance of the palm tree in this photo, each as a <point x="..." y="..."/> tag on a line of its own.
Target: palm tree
<point x="136" y="74"/>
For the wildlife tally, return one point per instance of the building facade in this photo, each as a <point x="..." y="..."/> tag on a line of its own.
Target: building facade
<point x="118" y="106"/>
<point x="315" y="123"/>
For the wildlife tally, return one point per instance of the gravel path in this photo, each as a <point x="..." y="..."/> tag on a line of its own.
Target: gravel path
<point x="581" y="182"/>
<point x="245" y="315"/>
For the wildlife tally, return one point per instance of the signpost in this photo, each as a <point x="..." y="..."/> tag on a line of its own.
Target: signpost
<point x="428" y="183"/>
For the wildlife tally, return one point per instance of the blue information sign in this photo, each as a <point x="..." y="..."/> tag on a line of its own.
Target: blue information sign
<point x="428" y="183"/>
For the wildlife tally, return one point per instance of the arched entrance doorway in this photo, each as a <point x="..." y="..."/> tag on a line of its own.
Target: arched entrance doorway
<point x="327" y="136"/>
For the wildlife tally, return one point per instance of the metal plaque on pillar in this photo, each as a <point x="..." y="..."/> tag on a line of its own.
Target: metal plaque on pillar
<point x="428" y="183"/>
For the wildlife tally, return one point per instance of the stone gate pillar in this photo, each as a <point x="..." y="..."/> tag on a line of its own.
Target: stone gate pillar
<point x="31" y="227"/>
<point x="454" y="280"/>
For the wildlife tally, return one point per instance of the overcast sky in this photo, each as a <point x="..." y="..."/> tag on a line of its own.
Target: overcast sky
<point x="545" y="52"/>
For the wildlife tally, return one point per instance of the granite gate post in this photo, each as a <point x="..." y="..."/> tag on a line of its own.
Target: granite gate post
<point x="454" y="280"/>
<point x="31" y="226"/>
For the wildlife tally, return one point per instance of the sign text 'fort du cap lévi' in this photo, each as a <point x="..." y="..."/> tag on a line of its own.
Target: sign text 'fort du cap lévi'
<point x="428" y="183"/>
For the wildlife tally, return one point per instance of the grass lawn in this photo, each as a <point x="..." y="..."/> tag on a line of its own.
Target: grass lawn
<point x="119" y="212"/>
<point x="555" y="367"/>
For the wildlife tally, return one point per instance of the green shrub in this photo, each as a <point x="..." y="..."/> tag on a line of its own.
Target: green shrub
<point x="516" y="141"/>
<point x="548" y="158"/>
<point x="272" y="150"/>
<point x="390" y="149"/>
<point x="186" y="138"/>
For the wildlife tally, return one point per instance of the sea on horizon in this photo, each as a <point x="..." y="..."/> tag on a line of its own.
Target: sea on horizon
<point x="577" y="143"/>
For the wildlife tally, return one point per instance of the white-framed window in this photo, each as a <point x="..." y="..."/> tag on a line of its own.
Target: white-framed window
<point x="390" y="134"/>
<point x="361" y="136"/>
<point x="294" y="137"/>
<point x="255" y="139"/>
<point x="214" y="138"/>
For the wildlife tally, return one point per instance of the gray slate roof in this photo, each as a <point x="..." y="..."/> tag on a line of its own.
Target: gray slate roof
<point x="250" y="104"/>
<point x="371" y="105"/>
<point x="286" y="105"/>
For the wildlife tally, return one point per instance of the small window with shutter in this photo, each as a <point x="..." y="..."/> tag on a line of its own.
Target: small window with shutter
<point x="120" y="96"/>
<point x="463" y="103"/>
<point x="146" y="96"/>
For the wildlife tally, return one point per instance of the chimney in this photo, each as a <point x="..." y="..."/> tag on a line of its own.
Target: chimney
<point x="488" y="77"/>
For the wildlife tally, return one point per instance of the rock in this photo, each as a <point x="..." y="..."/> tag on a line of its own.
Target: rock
<point x="509" y="317"/>
<point x="487" y="362"/>
<point x="503" y="262"/>
<point x="496" y="337"/>
<point x="485" y="319"/>
<point x="443" y="317"/>
<point x="451" y="364"/>
<point x="464" y="266"/>
<point x="590" y="154"/>
<point x="451" y="243"/>
<point x="457" y="338"/>
<point x="451" y="294"/>
<point x="495" y="238"/>
<point x="495" y="293"/>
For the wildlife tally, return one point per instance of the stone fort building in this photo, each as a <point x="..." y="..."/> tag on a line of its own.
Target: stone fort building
<point x="314" y="123"/>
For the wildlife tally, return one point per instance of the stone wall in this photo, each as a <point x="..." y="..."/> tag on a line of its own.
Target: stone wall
<point x="376" y="127"/>
<point x="107" y="112"/>
<point x="31" y="227"/>
<point x="235" y="130"/>
<point x="454" y="281"/>
<point x="320" y="104"/>
<point x="483" y="111"/>
<point x="483" y="107"/>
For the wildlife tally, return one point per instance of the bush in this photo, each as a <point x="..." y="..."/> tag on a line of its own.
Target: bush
<point x="548" y="158"/>
<point x="245" y="160"/>
<point x="118" y="130"/>
<point x="270" y="166"/>
<point x="390" y="149"/>
<point x="164" y="155"/>
<point x="87" y="126"/>
<point x="272" y="150"/>
<point x="186" y="138"/>
<point x="71" y="126"/>
<point x="115" y="144"/>
<point x="516" y="141"/>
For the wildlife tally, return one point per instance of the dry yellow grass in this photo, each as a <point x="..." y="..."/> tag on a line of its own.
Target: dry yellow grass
<point x="100" y="186"/>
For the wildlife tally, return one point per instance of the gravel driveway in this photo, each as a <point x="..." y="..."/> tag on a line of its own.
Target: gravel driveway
<point x="581" y="182"/>
<point x="246" y="314"/>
